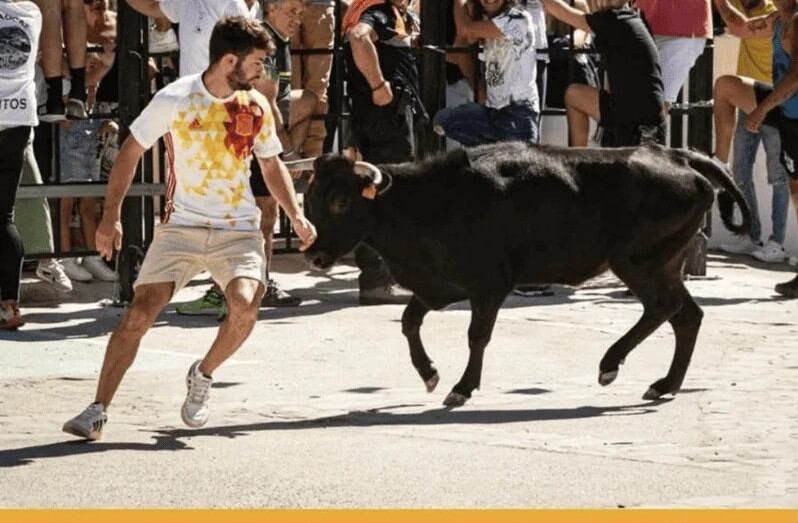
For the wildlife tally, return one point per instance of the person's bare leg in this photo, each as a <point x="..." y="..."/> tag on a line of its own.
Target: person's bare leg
<point x="75" y="29"/>
<point x="794" y="195"/>
<point x="88" y="220"/>
<point x="731" y="93"/>
<point x="581" y="104"/>
<point x="243" y="297"/>
<point x="148" y="302"/>
<point x="268" y="217"/>
<point x="65" y="232"/>
<point x="303" y="104"/>
<point x="50" y="41"/>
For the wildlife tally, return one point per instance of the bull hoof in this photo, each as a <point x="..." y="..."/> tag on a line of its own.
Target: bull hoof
<point x="660" y="388"/>
<point x="432" y="382"/>
<point x="455" y="399"/>
<point x="605" y="378"/>
<point x="652" y="394"/>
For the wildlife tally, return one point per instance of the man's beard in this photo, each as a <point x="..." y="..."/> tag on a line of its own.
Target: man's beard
<point x="238" y="81"/>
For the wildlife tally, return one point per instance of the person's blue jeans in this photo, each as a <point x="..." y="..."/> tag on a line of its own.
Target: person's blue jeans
<point x="745" y="148"/>
<point x="474" y="124"/>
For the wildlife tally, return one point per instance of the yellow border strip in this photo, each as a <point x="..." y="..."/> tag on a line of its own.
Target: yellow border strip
<point x="403" y="516"/>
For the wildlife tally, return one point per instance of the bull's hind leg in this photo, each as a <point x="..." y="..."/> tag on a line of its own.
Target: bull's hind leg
<point x="412" y="319"/>
<point x="685" y="325"/>
<point x="660" y="300"/>
<point x="483" y="318"/>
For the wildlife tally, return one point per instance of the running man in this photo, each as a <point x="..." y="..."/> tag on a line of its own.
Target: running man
<point x="211" y="124"/>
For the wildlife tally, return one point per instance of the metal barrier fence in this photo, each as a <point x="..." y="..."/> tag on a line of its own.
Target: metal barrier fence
<point x="147" y="190"/>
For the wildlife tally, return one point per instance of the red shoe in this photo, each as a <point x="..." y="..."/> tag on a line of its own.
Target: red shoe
<point x="10" y="318"/>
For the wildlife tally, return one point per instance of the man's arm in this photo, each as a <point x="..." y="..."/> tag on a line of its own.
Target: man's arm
<point x="785" y="88"/>
<point x="109" y="231"/>
<point x="281" y="187"/>
<point x="362" y="38"/>
<point x="473" y="30"/>
<point x="742" y="26"/>
<point x="567" y="14"/>
<point x="147" y="7"/>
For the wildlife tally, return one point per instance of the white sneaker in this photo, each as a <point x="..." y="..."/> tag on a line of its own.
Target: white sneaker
<point x="162" y="42"/>
<point x="97" y="267"/>
<point x="75" y="271"/>
<point x="195" y="409"/>
<point x="89" y="423"/>
<point x="771" y="252"/>
<point x="51" y="271"/>
<point x="740" y="245"/>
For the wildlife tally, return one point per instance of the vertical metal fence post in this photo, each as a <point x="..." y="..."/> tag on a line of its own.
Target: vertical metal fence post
<point x="432" y="72"/>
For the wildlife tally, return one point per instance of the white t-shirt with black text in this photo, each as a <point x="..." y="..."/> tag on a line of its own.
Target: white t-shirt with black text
<point x="20" y="26"/>
<point x="196" y="19"/>
<point x="209" y="143"/>
<point x="511" y="61"/>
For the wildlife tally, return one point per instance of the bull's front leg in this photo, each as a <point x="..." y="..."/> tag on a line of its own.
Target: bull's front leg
<point x="412" y="319"/>
<point x="483" y="318"/>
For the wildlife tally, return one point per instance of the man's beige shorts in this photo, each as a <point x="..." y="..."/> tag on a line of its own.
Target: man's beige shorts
<point x="179" y="252"/>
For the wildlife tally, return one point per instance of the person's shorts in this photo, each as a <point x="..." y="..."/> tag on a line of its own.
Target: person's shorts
<point x="79" y="148"/>
<point x="617" y="131"/>
<point x="256" y="182"/>
<point x="677" y="55"/>
<point x="179" y="252"/>
<point x="788" y="130"/>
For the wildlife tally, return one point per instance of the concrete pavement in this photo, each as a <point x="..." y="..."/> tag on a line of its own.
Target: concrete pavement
<point x="322" y="408"/>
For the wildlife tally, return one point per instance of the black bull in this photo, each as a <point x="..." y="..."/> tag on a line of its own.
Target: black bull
<point x="474" y="223"/>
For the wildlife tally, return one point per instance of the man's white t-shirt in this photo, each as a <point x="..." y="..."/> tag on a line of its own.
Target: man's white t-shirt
<point x="20" y="25"/>
<point x="196" y="19"/>
<point x="209" y="142"/>
<point x="538" y="14"/>
<point x="511" y="61"/>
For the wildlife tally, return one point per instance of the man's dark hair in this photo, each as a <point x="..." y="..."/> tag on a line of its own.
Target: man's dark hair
<point x="479" y="11"/>
<point x="239" y="36"/>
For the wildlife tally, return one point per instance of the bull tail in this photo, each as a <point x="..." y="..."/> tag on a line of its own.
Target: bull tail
<point x="729" y="194"/>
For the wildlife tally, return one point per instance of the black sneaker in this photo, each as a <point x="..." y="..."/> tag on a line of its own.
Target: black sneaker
<point x="53" y="111"/>
<point x="276" y="297"/>
<point x="788" y="289"/>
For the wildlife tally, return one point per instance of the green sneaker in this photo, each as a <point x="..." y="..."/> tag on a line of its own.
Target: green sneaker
<point x="211" y="304"/>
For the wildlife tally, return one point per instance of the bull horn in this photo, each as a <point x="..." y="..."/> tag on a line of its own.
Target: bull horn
<point x="369" y="171"/>
<point x="305" y="164"/>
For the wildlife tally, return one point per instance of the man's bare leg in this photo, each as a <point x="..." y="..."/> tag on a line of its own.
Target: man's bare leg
<point x="243" y="297"/>
<point x="731" y="93"/>
<point x="581" y="104"/>
<point x="268" y="217"/>
<point x="148" y="302"/>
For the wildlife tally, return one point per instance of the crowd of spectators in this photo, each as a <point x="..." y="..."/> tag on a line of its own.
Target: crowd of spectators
<point x="646" y="48"/>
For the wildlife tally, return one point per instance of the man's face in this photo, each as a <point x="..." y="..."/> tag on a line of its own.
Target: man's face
<point x="246" y="71"/>
<point x="492" y="6"/>
<point x="286" y="16"/>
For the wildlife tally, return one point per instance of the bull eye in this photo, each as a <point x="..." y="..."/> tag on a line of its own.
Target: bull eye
<point x="340" y="204"/>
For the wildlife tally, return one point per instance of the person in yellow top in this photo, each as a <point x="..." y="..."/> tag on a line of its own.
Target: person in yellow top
<point x="755" y="61"/>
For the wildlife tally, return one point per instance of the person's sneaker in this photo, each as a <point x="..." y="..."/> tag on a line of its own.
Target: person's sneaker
<point x="531" y="291"/>
<point x="88" y="424"/>
<point x="212" y="303"/>
<point x="10" y="318"/>
<point x="76" y="271"/>
<point x="740" y="245"/>
<point x="771" y="252"/>
<point x="162" y="41"/>
<point x="51" y="271"/>
<point x="788" y="289"/>
<point x="53" y="110"/>
<point x="195" y="409"/>
<point x="97" y="267"/>
<point x="76" y="109"/>
<point x="386" y="295"/>
<point x="277" y="297"/>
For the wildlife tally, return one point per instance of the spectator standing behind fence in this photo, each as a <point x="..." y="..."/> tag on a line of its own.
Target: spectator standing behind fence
<point x="196" y="19"/>
<point x="80" y="146"/>
<point x="20" y="26"/>
<point x="631" y="111"/>
<point x="755" y="62"/>
<point x="512" y="107"/>
<point x="64" y="21"/>
<point x="311" y="75"/>
<point x="383" y="90"/>
<point x="775" y="105"/>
